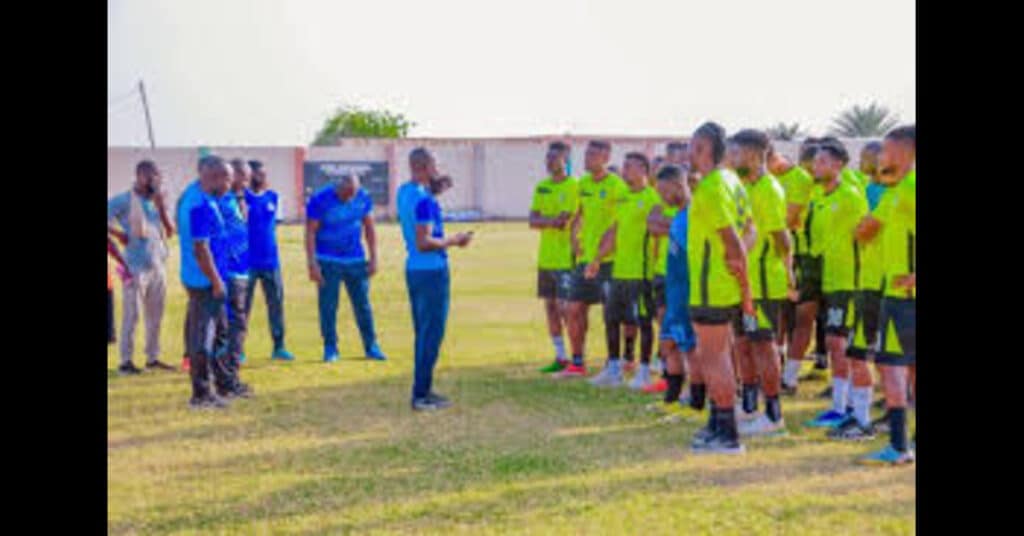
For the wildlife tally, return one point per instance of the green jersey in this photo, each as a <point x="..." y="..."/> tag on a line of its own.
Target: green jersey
<point x="798" y="184"/>
<point x="597" y="205"/>
<point x="839" y="214"/>
<point x="659" y="244"/>
<point x="550" y="199"/>
<point x="767" y="269"/>
<point x="631" y="259"/>
<point x="897" y="212"/>
<point x="712" y="208"/>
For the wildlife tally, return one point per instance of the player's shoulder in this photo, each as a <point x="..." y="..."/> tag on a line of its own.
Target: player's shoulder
<point x="120" y="200"/>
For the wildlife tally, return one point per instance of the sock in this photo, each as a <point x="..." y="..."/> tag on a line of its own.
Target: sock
<point x="630" y="343"/>
<point x="726" y="425"/>
<point x="698" y="391"/>
<point x="749" y="397"/>
<point x="772" y="408"/>
<point x="861" y="399"/>
<point x="577" y="360"/>
<point x="559" y="347"/>
<point x="712" y="418"/>
<point x="675" y="388"/>
<point x="791" y="372"/>
<point x="612" y="340"/>
<point x="646" y="342"/>
<point x="898" y="428"/>
<point x="840" y="386"/>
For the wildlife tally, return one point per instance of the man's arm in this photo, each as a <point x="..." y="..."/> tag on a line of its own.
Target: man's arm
<point x="312" y="226"/>
<point x="425" y="242"/>
<point x="574" y="234"/>
<point x="370" y="233"/>
<point x="793" y="212"/>
<point x="116" y="254"/>
<point x="204" y="258"/>
<point x="784" y="247"/>
<point x="540" y="222"/>
<point x="868" y="229"/>
<point x="165" y="218"/>
<point x="736" y="260"/>
<point x="606" y="248"/>
<point x="749" y="234"/>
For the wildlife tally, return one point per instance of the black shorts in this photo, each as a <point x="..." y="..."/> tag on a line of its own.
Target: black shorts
<point x="789" y="316"/>
<point x="658" y="291"/>
<point x="808" y="278"/>
<point x="111" y="335"/>
<point x="838" y="313"/>
<point x="765" y="325"/>
<point x="898" y="332"/>
<point x="715" y="316"/>
<point x="867" y="312"/>
<point x="590" y="291"/>
<point x="553" y="284"/>
<point x="630" y="302"/>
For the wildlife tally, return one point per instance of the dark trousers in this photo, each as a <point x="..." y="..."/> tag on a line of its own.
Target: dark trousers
<point x="428" y="296"/>
<point x="237" y="290"/>
<point x="273" y="294"/>
<point x="357" y="284"/>
<point x="206" y="332"/>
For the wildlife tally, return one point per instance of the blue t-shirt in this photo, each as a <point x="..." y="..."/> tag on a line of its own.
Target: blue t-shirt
<point x="263" y="210"/>
<point x="677" y="273"/>
<point x="191" y="275"/>
<point x="875" y="191"/>
<point x="417" y="206"/>
<point x="341" y="224"/>
<point x="237" y="235"/>
<point x="207" y="224"/>
<point x="141" y="253"/>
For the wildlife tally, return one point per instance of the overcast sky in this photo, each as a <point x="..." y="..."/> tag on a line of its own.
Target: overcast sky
<point x="267" y="72"/>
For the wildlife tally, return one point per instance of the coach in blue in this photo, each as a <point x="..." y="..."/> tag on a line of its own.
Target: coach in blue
<point x="336" y="216"/>
<point x="426" y="273"/>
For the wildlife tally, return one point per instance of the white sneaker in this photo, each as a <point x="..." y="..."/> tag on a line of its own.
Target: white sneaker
<point x="761" y="426"/>
<point x="608" y="377"/>
<point x="743" y="416"/>
<point x="641" y="379"/>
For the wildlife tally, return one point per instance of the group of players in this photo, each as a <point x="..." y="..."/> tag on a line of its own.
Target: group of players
<point x="735" y="251"/>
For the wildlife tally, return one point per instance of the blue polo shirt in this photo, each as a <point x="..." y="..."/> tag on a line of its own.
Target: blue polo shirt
<point x="191" y="275"/>
<point x="875" y="191"/>
<point x="237" y="235"/>
<point x="416" y="206"/>
<point x="341" y="224"/>
<point x="207" y="225"/>
<point x="677" y="273"/>
<point x="263" y="211"/>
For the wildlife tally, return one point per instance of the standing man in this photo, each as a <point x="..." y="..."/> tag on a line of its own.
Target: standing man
<point x="234" y="211"/>
<point x="142" y="214"/>
<point x="554" y="202"/>
<point x="264" y="266"/>
<point x="426" y="273"/>
<point x="599" y="190"/>
<point x="336" y="216"/>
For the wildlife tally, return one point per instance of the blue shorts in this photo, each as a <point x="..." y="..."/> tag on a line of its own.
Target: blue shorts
<point x="676" y="325"/>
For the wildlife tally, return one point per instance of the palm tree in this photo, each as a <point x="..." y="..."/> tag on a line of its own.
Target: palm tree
<point x="864" y="122"/>
<point x="784" y="132"/>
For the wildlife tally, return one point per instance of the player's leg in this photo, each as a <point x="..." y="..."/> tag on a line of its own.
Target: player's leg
<point x="764" y="349"/>
<point x="713" y="354"/>
<point x="863" y="335"/>
<point x="579" y="295"/>
<point x="897" y="351"/>
<point x="838" y="306"/>
<point x="547" y="289"/>
<point x="802" y="332"/>
<point x="617" y="315"/>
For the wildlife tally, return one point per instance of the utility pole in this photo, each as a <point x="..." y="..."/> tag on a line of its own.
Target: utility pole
<point x="145" y="107"/>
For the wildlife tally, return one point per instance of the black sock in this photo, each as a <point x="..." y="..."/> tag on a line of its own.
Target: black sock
<point x="675" y="387"/>
<point x="898" y="428"/>
<point x="698" y="392"/>
<point x="772" y="408"/>
<point x="577" y="360"/>
<point x="630" y="343"/>
<point x="611" y="333"/>
<point x="712" y="418"/>
<point x="646" y="342"/>
<point x="726" y="426"/>
<point x="749" y="397"/>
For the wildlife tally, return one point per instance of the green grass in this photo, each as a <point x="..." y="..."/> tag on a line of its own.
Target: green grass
<point x="331" y="449"/>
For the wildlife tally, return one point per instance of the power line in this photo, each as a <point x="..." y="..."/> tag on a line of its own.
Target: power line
<point x="120" y="99"/>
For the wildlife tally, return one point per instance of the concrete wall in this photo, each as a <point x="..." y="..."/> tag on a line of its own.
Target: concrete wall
<point x="494" y="176"/>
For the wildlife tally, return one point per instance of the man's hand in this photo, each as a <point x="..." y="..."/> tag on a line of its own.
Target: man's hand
<point x="461" y="239"/>
<point x="218" y="288"/>
<point x="561" y="220"/>
<point x="315" y="275"/>
<point x="591" y="270"/>
<point x="908" y="281"/>
<point x="371" y="267"/>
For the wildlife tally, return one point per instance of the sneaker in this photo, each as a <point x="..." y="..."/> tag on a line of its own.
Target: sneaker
<point x="440" y="401"/>
<point x="655" y="366"/>
<point x="330" y="355"/>
<point x="610" y="376"/>
<point x="572" y="371"/>
<point x="702" y="436"/>
<point x="851" y="430"/>
<point x="641" y="379"/>
<point x="375" y="354"/>
<point x="555" y="366"/>
<point x="208" y="402"/>
<point x="628" y="366"/>
<point x="186" y="364"/>
<point x="743" y="416"/>
<point x="887" y="456"/>
<point x="826" y="419"/>
<point x="241" y="391"/>
<point x="827" y="393"/>
<point x="684" y="398"/>
<point x="425" y="404"/>
<point x="159" y="365"/>
<point x="128" y="369"/>
<point x="282" y="355"/>
<point x="659" y="386"/>
<point x="717" y="444"/>
<point x="761" y="426"/>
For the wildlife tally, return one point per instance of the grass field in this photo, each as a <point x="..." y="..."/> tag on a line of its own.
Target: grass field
<point x="331" y="449"/>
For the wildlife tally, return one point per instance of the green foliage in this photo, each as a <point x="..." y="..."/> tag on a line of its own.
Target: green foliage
<point x="869" y="121"/>
<point x="354" y="122"/>
<point x="782" y="131"/>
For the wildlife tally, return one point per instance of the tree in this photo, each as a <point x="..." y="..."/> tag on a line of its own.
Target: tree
<point x="782" y="131"/>
<point x="864" y="122"/>
<point x="354" y="122"/>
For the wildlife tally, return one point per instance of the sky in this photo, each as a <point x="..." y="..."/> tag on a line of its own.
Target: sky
<point x="269" y="72"/>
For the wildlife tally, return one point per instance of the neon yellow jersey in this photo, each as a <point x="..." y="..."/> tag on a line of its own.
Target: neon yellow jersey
<point x="740" y="199"/>
<point x="812" y="229"/>
<point x="550" y="199"/>
<point x="797" y="183"/>
<point x="897" y="212"/>
<point x="659" y="244"/>
<point x="767" y="269"/>
<point x="712" y="208"/>
<point x="632" y="259"/>
<point x="849" y="176"/>
<point x="840" y="212"/>
<point x="597" y="209"/>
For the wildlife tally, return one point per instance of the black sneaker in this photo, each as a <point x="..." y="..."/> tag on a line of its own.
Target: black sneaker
<point x="159" y="365"/>
<point x="440" y="401"/>
<point x="717" y="444"/>
<point x="701" y="436"/>
<point x="851" y="430"/>
<point x="241" y="391"/>
<point x="827" y="393"/>
<point x="128" y="369"/>
<point x="424" y="404"/>
<point x="208" y="402"/>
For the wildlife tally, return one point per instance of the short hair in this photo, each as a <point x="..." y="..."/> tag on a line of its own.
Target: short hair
<point x="419" y="156"/>
<point x="754" y="139"/>
<point x="670" y="172"/>
<point x="905" y="133"/>
<point x="642" y="158"/>
<point x="208" y="161"/>
<point x="238" y="163"/>
<point x="714" y="133"/>
<point x="600" y="144"/>
<point x="835" y="148"/>
<point x="674" y="146"/>
<point x="872" y="147"/>
<point x="559" y="146"/>
<point x="145" y="165"/>
<point x="809" y="141"/>
<point x="807" y="152"/>
<point x="255" y="165"/>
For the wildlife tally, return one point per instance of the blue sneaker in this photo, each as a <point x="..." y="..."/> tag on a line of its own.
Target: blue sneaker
<point x="827" y="419"/>
<point x="887" y="456"/>
<point x="330" y="354"/>
<point x="375" y="354"/>
<point x="282" y="354"/>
